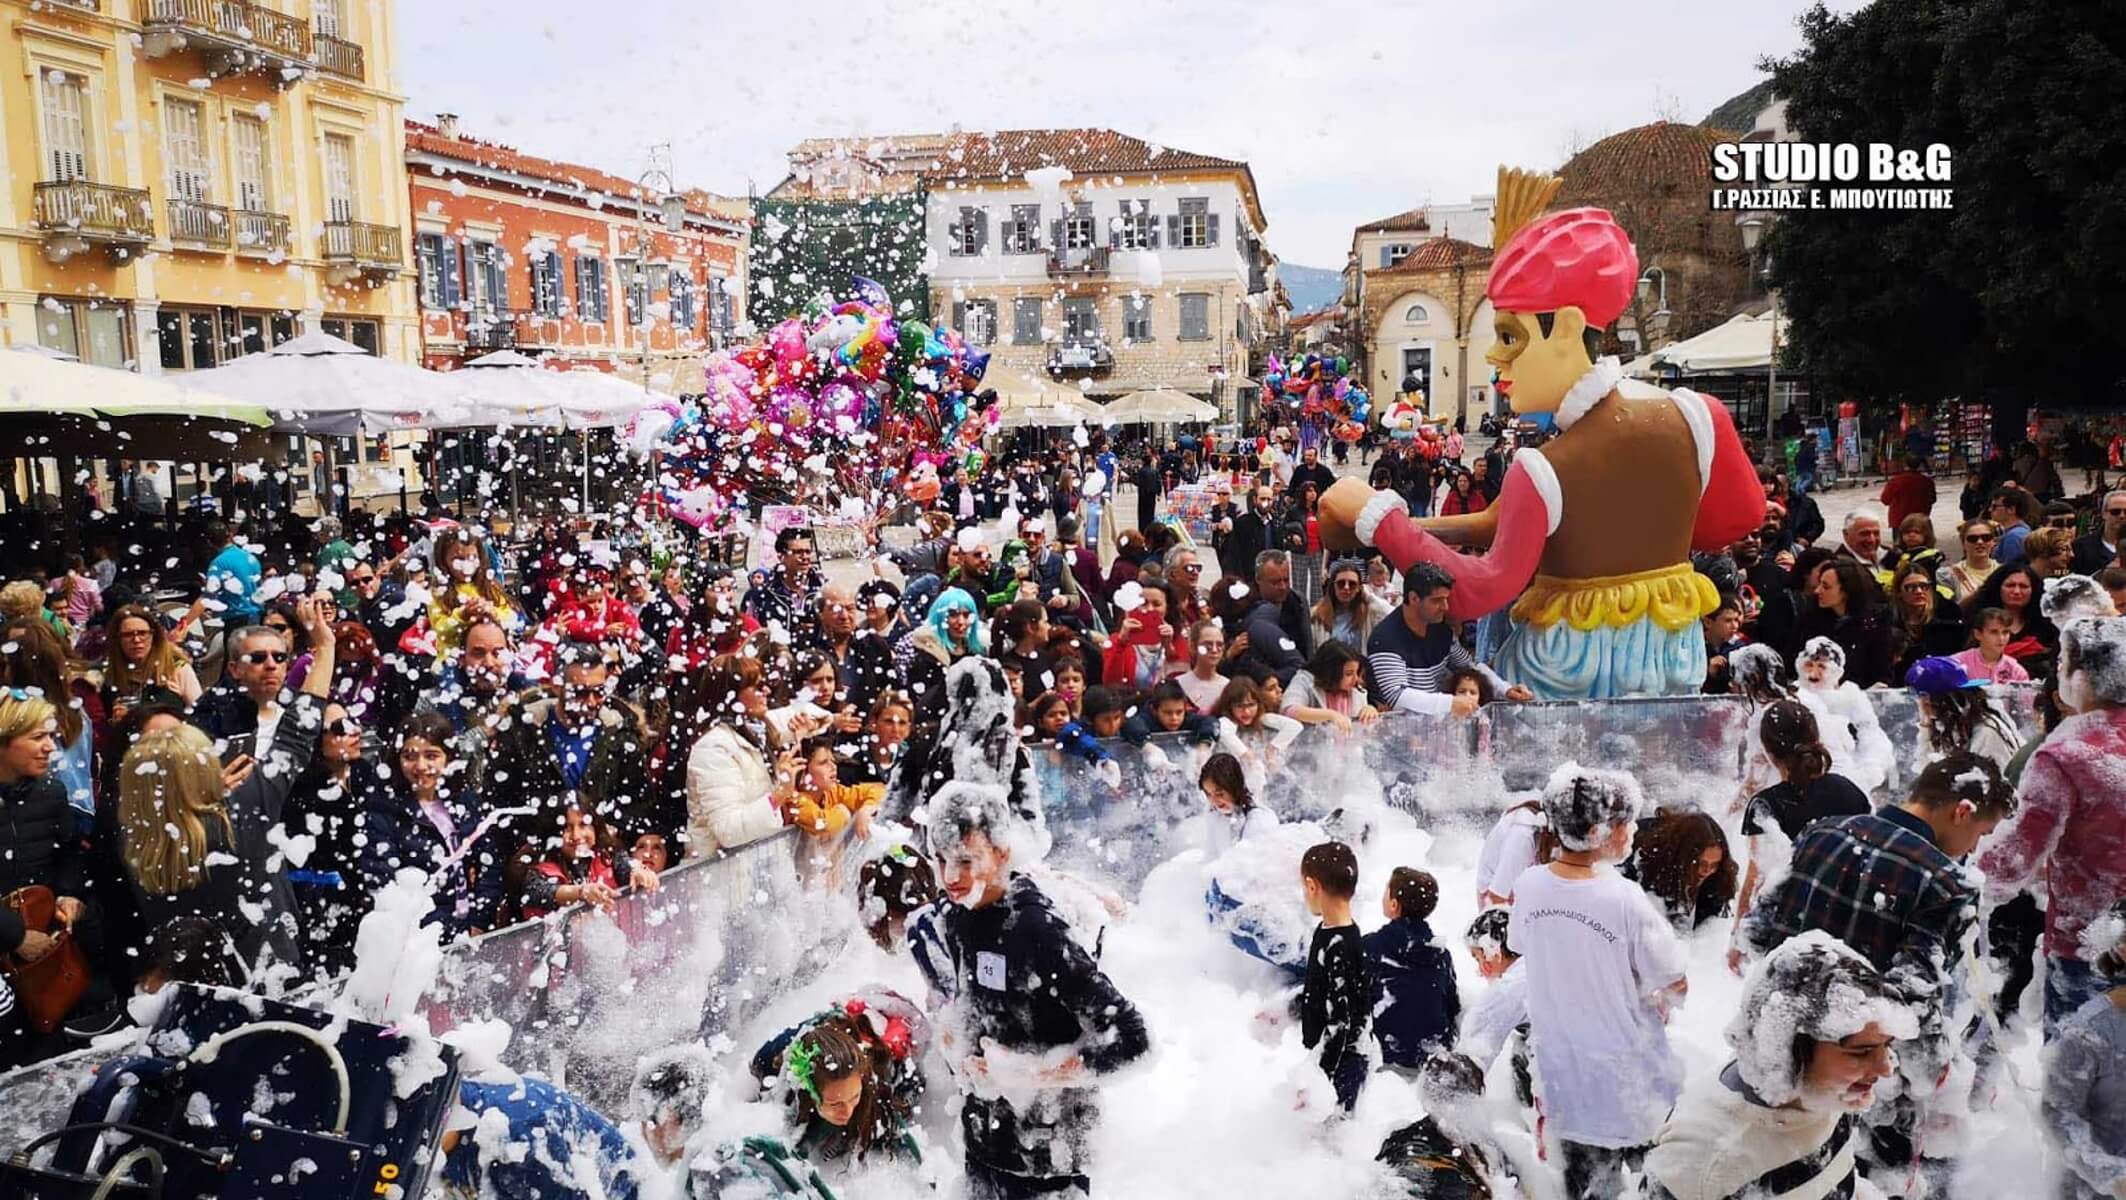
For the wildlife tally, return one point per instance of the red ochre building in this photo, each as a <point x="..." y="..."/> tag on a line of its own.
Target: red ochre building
<point x="516" y="252"/>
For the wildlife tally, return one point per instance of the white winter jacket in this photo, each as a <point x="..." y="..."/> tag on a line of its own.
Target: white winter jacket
<point x="730" y="799"/>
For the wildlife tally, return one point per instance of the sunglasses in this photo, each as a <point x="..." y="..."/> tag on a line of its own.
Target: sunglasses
<point x="2061" y="523"/>
<point x="1191" y="568"/>
<point x="1981" y="537"/>
<point x="586" y="689"/>
<point x="344" y="727"/>
<point x="259" y="658"/>
<point x="278" y="626"/>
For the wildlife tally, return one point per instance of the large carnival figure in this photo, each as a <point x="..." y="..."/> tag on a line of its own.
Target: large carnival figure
<point x="1593" y="531"/>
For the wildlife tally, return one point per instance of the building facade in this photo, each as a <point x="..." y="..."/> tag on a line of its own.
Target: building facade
<point x="566" y="262"/>
<point x="190" y="182"/>
<point x="1085" y="254"/>
<point x="1415" y="307"/>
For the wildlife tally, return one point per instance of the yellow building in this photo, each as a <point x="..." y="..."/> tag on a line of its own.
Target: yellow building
<point x="189" y="181"/>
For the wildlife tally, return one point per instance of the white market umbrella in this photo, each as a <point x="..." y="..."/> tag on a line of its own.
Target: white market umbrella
<point x="48" y="382"/>
<point x="507" y="388"/>
<point x="1154" y="405"/>
<point x="1036" y="402"/>
<point x="1741" y="343"/>
<point x="319" y="384"/>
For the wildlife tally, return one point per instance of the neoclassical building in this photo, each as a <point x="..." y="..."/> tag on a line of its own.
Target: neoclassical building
<point x="1422" y="314"/>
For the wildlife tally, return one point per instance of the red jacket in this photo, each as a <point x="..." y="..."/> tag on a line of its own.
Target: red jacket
<point x="1905" y="493"/>
<point x="2070" y="824"/>
<point x="585" y="623"/>
<point x="1457" y="504"/>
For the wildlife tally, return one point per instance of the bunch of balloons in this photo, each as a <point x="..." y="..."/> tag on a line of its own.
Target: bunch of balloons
<point x="828" y="409"/>
<point x="1323" y="394"/>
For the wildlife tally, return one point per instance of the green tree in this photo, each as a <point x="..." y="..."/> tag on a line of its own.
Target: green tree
<point x="802" y="249"/>
<point x="2008" y="296"/>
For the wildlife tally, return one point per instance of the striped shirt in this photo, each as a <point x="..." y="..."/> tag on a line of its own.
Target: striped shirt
<point x="1410" y="672"/>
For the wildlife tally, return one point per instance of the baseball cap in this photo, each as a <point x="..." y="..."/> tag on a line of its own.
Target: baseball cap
<point x="1932" y="676"/>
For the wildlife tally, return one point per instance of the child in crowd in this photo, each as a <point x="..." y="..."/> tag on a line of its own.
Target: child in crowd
<point x="1723" y="636"/>
<point x="1038" y="1021"/>
<point x="1170" y="711"/>
<point x="1337" y="1000"/>
<point x="1502" y="1006"/>
<point x="1069" y="675"/>
<point x="1415" y="974"/>
<point x="2085" y="1072"/>
<point x="1049" y="718"/>
<point x="1251" y="727"/>
<point x="585" y="866"/>
<point x="1446" y="1155"/>
<point x="1105" y="709"/>
<point x="1604" y="966"/>
<point x="1202" y="681"/>
<point x="1234" y="810"/>
<point x="1471" y="690"/>
<point x="1821" y="667"/>
<point x="1988" y="660"/>
<point x="823" y="805"/>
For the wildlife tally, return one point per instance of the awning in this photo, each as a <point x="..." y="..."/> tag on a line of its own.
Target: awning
<point x="318" y="384"/>
<point x="43" y="382"/>
<point x="1158" y="404"/>
<point x="1742" y="343"/>
<point x="1027" y="401"/>
<point x="507" y="388"/>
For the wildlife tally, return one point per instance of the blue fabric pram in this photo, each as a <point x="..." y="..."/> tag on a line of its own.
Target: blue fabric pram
<point x="236" y="1097"/>
<point x="1251" y="937"/>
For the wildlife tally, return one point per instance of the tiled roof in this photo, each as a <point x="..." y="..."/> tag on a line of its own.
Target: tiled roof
<point x="590" y="181"/>
<point x="1663" y="152"/>
<point x="1436" y="254"/>
<point x="1414" y="221"/>
<point x="1010" y="153"/>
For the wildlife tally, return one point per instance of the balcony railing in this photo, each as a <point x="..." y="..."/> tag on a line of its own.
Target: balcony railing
<point x="491" y="329"/>
<point x="199" y="224"/>
<point x="370" y="247"/>
<point x="338" y="56"/>
<point x="1080" y="355"/>
<point x="260" y="36"/>
<point x="1089" y="261"/>
<point x="95" y="211"/>
<point x="263" y="234"/>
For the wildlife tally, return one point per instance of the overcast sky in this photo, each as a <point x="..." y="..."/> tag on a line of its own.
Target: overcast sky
<point x="1348" y="110"/>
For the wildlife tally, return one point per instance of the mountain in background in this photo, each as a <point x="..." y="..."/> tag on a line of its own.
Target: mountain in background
<point x="1312" y="288"/>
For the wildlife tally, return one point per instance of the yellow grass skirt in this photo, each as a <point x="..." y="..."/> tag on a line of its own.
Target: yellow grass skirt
<point x="1673" y="598"/>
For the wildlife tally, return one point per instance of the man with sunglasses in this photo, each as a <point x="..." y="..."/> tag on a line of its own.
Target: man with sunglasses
<point x="241" y="712"/>
<point x="2101" y="549"/>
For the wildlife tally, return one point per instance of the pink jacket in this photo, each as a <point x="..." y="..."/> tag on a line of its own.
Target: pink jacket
<point x="2007" y="670"/>
<point x="2071" y="824"/>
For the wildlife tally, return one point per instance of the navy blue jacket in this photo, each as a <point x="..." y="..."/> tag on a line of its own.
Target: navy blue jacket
<point x="469" y="892"/>
<point x="1197" y="728"/>
<point x="1416" y="979"/>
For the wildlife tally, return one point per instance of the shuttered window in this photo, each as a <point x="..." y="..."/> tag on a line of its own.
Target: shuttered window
<point x="185" y="143"/>
<point x="1195" y="317"/>
<point x="591" y="303"/>
<point x="546" y="282"/>
<point x="254" y="192"/>
<point x="1026" y="321"/>
<point x="66" y="126"/>
<point x="339" y="178"/>
<point x="1137" y="318"/>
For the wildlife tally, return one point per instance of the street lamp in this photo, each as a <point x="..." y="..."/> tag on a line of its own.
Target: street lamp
<point x="1647" y="280"/>
<point x="672" y="208"/>
<point x="1754" y="225"/>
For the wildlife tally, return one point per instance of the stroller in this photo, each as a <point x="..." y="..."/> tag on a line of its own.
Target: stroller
<point x="236" y="1097"/>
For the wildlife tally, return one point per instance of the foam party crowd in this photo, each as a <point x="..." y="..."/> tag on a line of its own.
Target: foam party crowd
<point x="1573" y="816"/>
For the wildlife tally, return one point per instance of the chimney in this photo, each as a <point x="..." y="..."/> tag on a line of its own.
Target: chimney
<point x="447" y="125"/>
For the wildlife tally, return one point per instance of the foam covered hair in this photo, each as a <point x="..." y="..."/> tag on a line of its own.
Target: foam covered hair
<point x="1757" y="668"/>
<point x="2072" y="597"/>
<point x="1585" y="805"/>
<point x="1812" y="986"/>
<point x="1825" y="651"/>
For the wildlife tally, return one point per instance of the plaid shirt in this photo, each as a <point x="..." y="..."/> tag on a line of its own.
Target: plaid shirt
<point x="1881" y="885"/>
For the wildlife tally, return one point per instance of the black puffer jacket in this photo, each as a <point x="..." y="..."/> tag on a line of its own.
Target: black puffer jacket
<point x="37" y="846"/>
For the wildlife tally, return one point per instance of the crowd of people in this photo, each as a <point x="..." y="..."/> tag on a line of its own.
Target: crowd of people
<point x="212" y="759"/>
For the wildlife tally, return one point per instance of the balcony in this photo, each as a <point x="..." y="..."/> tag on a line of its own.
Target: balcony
<point x="338" y="56"/>
<point x="233" y="36"/>
<point x="1087" y="263"/>
<point x="1081" y="356"/>
<point x="262" y="235"/>
<point x="360" y="247"/>
<point x="195" y="223"/>
<point x="490" y="329"/>
<point x="77" y="214"/>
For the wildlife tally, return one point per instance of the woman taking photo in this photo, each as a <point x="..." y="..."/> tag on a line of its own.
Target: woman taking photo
<point x="1347" y="610"/>
<point x="1850" y="611"/>
<point x="418" y="816"/>
<point x="1965" y="578"/>
<point x="141" y="653"/>
<point x="1331" y="690"/>
<point x="1928" y="623"/>
<point x="733" y="796"/>
<point x="326" y="803"/>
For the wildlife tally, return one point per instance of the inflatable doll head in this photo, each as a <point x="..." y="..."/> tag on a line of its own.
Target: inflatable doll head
<point x="1556" y="284"/>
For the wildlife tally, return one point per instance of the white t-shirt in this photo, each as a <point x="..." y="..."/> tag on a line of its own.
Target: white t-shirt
<point x="1491" y="1017"/>
<point x="1509" y="849"/>
<point x="1598" y="956"/>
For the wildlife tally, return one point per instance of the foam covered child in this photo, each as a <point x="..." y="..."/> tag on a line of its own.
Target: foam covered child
<point x="1337" y="1001"/>
<point x="1419" y="1007"/>
<point x="1821" y="666"/>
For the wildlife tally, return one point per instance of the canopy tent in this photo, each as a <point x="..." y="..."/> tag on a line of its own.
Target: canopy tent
<point x="318" y="384"/>
<point x="508" y="388"/>
<point x="1037" y="402"/>
<point x="1740" y="344"/>
<point x="48" y="382"/>
<point x="1158" y="404"/>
